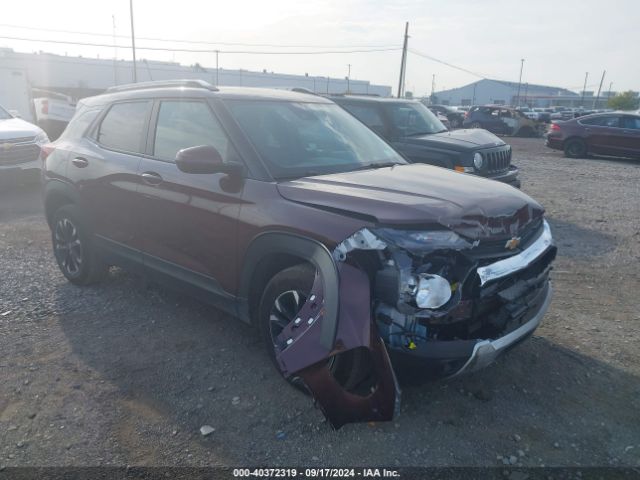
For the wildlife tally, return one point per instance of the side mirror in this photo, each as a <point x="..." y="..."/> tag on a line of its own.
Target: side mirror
<point x="205" y="159"/>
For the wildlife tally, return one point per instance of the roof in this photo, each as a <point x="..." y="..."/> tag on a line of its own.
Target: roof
<point x="531" y="88"/>
<point x="191" y="89"/>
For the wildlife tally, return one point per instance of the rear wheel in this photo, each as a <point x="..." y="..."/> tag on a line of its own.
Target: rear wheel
<point x="526" y="132"/>
<point x="281" y="301"/>
<point x="73" y="249"/>
<point x="455" y="123"/>
<point x="575" y="148"/>
<point x="476" y="125"/>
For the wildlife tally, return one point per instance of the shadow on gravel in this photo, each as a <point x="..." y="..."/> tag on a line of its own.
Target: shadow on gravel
<point x="574" y="241"/>
<point x="196" y="366"/>
<point x="20" y="200"/>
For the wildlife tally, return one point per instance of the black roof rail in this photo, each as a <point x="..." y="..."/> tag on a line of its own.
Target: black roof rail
<point x="162" y="84"/>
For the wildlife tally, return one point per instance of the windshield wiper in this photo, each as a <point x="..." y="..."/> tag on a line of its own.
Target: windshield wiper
<point x="376" y="166"/>
<point x="416" y="134"/>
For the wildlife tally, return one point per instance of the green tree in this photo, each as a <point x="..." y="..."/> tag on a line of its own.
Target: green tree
<point x="624" y="101"/>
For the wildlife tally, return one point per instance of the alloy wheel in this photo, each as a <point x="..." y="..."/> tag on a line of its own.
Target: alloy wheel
<point x="68" y="247"/>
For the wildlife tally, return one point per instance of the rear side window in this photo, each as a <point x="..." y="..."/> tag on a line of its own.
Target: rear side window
<point x="123" y="127"/>
<point x="607" y="121"/>
<point x="183" y="124"/>
<point x="79" y="124"/>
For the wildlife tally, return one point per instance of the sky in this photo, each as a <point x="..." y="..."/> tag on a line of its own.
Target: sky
<point x="560" y="40"/>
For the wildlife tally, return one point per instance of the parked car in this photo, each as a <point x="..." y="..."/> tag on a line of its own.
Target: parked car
<point x="443" y="119"/>
<point x="287" y="212"/>
<point x="616" y="133"/>
<point x="544" y="115"/>
<point x="502" y="120"/>
<point x="21" y="144"/>
<point x="53" y="111"/>
<point x="455" y="117"/>
<point x="418" y="135"/>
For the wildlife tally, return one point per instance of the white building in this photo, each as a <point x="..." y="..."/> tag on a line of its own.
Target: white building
<point x="80" y="76"/>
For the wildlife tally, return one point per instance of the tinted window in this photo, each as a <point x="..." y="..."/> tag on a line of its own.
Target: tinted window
<point x="606" y="121"/>
<point x="79" y="124"/>
<point x="302" y="139"/>
<point x="187" y="124"/>
<point x="631" y="122"/>
<point x="123" y="127"/>
<point x="366" y="114"/>
<point x="413" y="119"/>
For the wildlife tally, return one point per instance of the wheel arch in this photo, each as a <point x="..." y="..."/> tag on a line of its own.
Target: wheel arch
<point x="56" y="195"/>
<point x="271" y="252"/>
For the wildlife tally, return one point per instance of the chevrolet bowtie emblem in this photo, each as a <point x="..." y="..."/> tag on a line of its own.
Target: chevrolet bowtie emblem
<point x="512" y="243"/>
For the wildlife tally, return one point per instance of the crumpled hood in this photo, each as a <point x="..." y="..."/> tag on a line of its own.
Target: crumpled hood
<point x="17" y="128"/>
<point x="420" y="196"/>
<point x="458" y="139"/>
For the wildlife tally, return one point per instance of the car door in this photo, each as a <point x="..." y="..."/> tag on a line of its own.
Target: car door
<point x="604" y="134"/>
<point x="104" y="168"/>
<point x="631" y="135"/>
<point x="189" y="220"/>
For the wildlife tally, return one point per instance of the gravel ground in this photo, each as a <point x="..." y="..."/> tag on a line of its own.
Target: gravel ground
<point x="126" y="373"/>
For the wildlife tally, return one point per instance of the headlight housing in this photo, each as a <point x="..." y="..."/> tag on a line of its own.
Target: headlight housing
<point x="41" y="138"/>
<point x="478" y="160"/>
<point x="423" y="241"/>
<point x="433" y="291"/>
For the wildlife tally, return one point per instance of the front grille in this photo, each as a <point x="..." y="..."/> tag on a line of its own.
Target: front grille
<point x="498" y="160"/>
<point x="488" y="251"/>
<point x="16" y="151"/>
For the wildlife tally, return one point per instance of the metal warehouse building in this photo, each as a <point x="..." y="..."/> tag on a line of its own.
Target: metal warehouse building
<point x="80" y="76"/>
<point x="499" y="92"/>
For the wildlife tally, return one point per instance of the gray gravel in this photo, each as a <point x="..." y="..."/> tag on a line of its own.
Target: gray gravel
<point x="126" y="373"/>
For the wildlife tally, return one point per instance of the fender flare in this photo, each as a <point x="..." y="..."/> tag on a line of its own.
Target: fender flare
<point x="58" y="188"/>
<point x="313" y="251"/>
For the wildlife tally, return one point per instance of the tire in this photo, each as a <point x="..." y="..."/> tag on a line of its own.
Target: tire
<point x="526" y="132"/>
<point x="73" y="248"/>
<point x="455" y="123"/>
<point x="349" y="368"/>
<point x="476" y="125"/>
<point x="575" y="148"/>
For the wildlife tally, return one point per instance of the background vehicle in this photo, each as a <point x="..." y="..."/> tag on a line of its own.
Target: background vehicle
<point x="284" y="210"/>
<point x="616" y="133"/>
<point x="20" y="150"/>
<point x="417" y="134"/>
<point x="443" y="119"/>
<point x="53" y="111"/>
<point x="502" y="120"/>
<point x="455" y="117"/>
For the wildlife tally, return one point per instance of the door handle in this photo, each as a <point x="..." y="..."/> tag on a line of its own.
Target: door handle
<point x="151" y="178"/>
<point x="80" y="162"/>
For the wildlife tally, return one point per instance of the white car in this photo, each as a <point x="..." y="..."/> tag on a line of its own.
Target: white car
<point x="21" y="146"/>
<point x="53" y="111"/>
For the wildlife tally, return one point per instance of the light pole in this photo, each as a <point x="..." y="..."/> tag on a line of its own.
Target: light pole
<point x="586" y="75"/>
<point x="348" y="77"/>
<point x="133" y="44"/>
<point x="217" y="70"/>
<point x="519" y="82"/>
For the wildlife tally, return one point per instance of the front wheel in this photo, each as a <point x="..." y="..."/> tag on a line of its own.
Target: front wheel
<point x="73" y="249"/>
<point x="281" y="301"/>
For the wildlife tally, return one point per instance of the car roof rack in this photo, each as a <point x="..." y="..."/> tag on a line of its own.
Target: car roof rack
<point x="162" y="84"/>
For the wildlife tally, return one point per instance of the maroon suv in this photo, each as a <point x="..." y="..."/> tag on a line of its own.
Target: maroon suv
<point x="284" y="210"/>
<point x="615" y="133"/>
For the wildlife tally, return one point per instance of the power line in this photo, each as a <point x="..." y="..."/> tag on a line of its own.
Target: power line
<point x="191" y="50"/>
<point x="194" y="42"/>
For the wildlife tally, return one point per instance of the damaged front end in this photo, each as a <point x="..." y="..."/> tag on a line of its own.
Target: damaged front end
<point x="428" y="296"/>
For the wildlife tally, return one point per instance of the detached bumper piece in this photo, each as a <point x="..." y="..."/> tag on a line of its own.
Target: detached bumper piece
<point x="303" y="355"/>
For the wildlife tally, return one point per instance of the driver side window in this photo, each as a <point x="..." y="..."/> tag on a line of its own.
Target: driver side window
<point x="184" y="124"/>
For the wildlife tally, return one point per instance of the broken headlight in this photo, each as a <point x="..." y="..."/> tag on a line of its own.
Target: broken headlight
<point x="432" y="291"/>
<point x="418" y="240"/>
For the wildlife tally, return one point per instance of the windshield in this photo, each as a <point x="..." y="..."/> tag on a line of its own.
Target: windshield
<point x="410" y="119"/>
<point x="4" y="115"/>
<point x="303" y="139"/>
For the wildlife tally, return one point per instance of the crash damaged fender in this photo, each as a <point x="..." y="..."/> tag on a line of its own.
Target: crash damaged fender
<point x="335" y="318"/>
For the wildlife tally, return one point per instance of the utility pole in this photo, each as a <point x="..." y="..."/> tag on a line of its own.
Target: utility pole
<point x="348" y="77"/>
<point x="473" y="101"/>
<point x="526" y="90"/>
<point x="217" y="69"/>
<point x="519" y="82"/>
<point x="584" y="89"/>
<point x="609" y="92"/>
<point x="403" y="62"/>
<point x="595" y="102"/>
<point x="115" y="52"/>
<point x="133" y="44"/>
